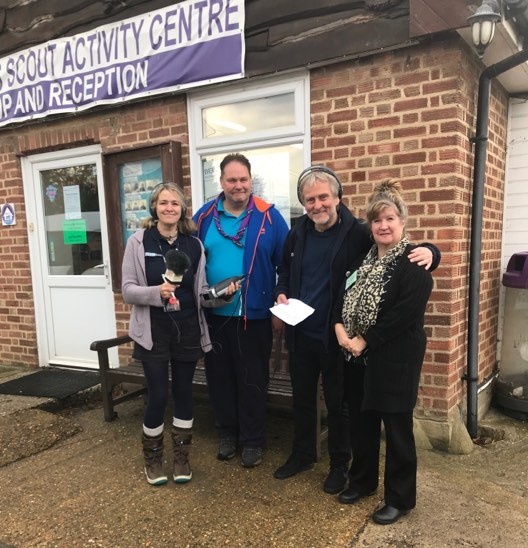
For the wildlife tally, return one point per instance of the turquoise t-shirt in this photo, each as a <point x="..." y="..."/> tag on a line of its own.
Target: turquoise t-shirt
<point x="224" y="258"/>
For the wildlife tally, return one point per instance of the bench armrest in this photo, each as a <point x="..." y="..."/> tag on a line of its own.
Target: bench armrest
<point x="104" y="344"/>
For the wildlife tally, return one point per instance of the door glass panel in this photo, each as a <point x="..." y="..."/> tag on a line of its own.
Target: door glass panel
<point x="71" y="218"/>
<point x="274" y="173"/>
<point x="276" y="111"/>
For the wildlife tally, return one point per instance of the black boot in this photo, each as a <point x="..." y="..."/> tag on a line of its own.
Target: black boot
<point x="153" y="453"/>
<point x="181" y="441"/>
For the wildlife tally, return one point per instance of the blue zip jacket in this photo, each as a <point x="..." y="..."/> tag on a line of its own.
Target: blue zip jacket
<point x="264" y="241"/>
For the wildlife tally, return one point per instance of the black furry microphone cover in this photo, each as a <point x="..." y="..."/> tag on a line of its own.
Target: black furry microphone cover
<point x="176" y="263"/>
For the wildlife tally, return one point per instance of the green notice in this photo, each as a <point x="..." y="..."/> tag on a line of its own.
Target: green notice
<point x="74" y="231"/>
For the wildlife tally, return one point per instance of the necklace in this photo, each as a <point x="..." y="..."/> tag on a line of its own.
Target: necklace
<point x="171" y="238"/>
<point x="237" y="238"/>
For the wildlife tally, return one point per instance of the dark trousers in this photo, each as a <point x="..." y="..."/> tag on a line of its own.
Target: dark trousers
<point x="365" y="432"/>
<point x="307" y="363"/>
<point x="237" y="371"/>
<point x="176" y="344"/>
<point x="157" y="377"/>
<point x="354" y="376"/>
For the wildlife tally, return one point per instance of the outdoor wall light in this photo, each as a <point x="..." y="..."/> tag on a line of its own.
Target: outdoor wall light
<point x="483" y="24"/>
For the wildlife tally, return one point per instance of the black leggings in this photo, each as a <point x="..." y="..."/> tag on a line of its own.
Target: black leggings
<point x="157" y="376"/>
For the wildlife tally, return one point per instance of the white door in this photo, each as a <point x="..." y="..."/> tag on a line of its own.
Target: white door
<point x="68" y="245"/>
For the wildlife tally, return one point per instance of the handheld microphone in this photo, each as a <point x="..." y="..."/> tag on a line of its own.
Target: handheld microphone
<point x="219" y="289"/>
<point x="176" y="263"/>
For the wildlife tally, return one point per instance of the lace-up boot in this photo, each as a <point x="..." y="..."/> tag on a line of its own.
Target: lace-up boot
<point x="181" y="441"/>
<point x="153" y="454"/>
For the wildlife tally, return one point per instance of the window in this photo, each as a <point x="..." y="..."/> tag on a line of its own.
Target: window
<point x="251" y="116"/>
<point x="267" y="121"/>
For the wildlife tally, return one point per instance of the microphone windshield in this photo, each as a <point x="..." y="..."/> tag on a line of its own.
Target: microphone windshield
<point x="177" y="263"/>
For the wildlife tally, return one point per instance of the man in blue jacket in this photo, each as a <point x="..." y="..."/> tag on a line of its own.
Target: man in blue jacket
<point x="242" y="235"/>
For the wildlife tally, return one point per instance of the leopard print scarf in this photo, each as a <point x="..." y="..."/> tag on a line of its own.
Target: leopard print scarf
<point x="362" y="300"/>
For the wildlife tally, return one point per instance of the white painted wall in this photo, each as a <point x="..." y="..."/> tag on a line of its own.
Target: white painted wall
<point x="515" y="227"/>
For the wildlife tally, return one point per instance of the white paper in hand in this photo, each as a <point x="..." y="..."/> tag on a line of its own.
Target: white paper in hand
<point x="293" y="312"/>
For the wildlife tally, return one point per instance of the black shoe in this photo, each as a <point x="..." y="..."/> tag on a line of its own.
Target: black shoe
<point x="388" y="514"/>
<point x="336" y="480"/>
<point x="226" y="448"/>
<point x="351" y="496"/>
<point x="251" y="456"/>
<point x="292" y="467"/>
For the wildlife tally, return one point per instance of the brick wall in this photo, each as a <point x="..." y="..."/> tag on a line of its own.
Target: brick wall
<point x="115" y="129"/>
<point x="409" y="115"/>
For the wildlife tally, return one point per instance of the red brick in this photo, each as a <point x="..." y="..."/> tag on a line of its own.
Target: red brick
<point x="411" y="158"/>
<point x="383" y="122"/>
<point x="410" y="104"/>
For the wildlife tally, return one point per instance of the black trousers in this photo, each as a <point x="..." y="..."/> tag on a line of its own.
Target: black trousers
<point x="176" y="344"/>
<point x="307" y="363"/>
<point x="365" y="433"/>
<point x="157" y="376"/>
<point x="237" y="371"/>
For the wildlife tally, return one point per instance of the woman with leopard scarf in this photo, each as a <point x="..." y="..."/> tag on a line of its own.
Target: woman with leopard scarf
<point x="379" y="324"/>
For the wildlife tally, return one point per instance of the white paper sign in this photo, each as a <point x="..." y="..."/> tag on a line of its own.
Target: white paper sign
<point x="72" y="202"/>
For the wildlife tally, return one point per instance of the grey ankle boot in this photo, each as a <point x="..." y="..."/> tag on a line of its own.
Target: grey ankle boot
<point x="153" y="453"/>
<point x="181" y="441"/>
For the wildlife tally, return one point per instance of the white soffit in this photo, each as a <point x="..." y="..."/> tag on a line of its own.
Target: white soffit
<point x="504" y="44"/>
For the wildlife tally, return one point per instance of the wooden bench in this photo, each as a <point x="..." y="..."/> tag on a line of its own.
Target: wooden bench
<point x="279" y="390"/>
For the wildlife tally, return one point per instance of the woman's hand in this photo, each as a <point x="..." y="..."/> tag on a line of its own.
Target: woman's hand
<point x="232" y="288"/>
<point x="356" y="345"/>
<point x="167" y="290"/>
<point x="342" y="336"/>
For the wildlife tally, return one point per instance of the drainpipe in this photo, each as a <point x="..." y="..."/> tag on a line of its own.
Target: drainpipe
<point x="477" y="207"/>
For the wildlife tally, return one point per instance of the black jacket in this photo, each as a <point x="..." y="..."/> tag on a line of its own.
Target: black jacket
<point x="396" y="342"/>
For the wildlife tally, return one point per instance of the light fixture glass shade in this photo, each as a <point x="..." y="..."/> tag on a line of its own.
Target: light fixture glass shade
<point x="475" y="34"/>
<point x="483" y="32"/>
<point x="483" y="24"/>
